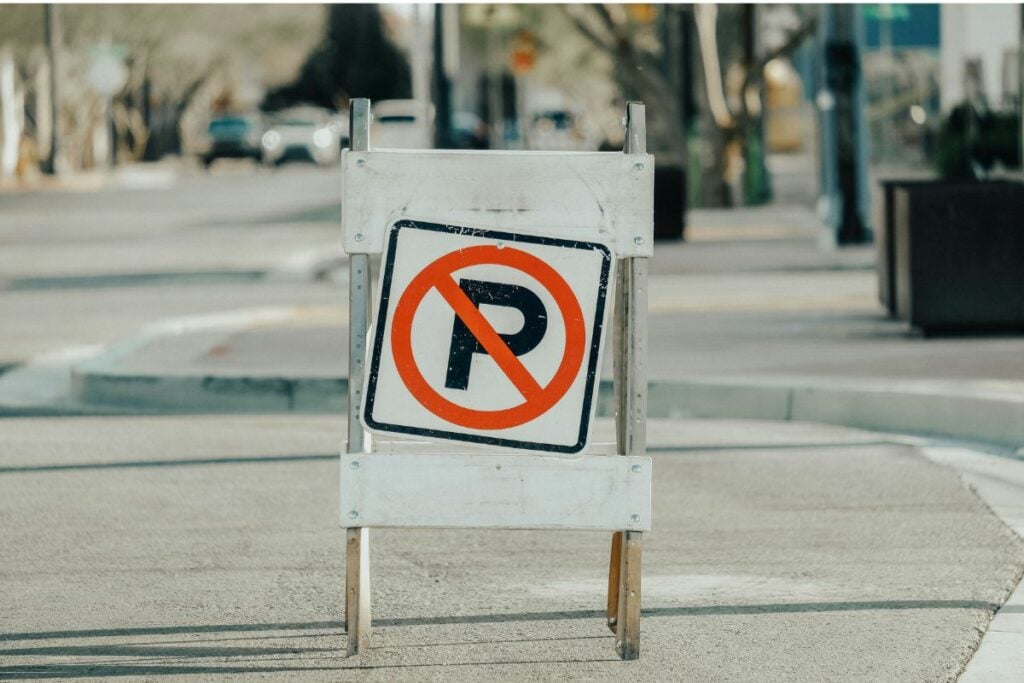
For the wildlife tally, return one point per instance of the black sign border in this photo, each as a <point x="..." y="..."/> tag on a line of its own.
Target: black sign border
<point x="381" y="324"/>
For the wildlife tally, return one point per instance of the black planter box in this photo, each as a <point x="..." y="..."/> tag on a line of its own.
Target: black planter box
<point x="669" y="202"/>
<point x="958" y="252"/>
<point x="885" y="254"/>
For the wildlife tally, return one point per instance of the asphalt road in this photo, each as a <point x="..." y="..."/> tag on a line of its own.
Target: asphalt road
<point x="93" y="268"/>
<point x="208" y="546"/>
<point x="749" y="294"/>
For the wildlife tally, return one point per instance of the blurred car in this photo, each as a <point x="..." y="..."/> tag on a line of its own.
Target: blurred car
<point x="402" y="124"/>
<point x="339" y="126"/>
<point x="302" y="134"/>
<point x="558" y="129"/>
<point x="231" y="137"/>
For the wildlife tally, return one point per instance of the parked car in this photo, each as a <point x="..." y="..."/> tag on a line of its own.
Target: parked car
<point x="558" y="129"/>
<point x="339" y="124"/>
<point x="231" y="137"/>
<point x="306" y="134"/>
<point x="402" y="124"/>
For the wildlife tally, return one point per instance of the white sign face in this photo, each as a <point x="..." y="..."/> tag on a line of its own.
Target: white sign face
<point x="487" y="337"/>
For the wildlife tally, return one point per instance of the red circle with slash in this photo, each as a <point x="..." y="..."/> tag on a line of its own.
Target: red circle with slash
<point x="537" y="398"/>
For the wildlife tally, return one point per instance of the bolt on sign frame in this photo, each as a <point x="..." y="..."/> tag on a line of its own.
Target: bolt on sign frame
<point x="606" y="196"/>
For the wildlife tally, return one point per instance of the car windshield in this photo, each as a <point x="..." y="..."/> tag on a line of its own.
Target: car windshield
<point x="396" y="118"/>
<point x="560" y="119"/>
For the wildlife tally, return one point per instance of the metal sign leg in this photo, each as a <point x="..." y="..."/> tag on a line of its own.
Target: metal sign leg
<point x="630" y="356"/>
<point x="627" y="628"/>
<point x="631" y="415"/>
<point x="357" y="590"/>
<point x="357" y="546"/>
<point x="614" y="569"/>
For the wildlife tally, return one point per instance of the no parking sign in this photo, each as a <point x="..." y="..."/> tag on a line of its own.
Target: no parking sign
<point x="488" y="337"/>
<point x="488" y="329"/>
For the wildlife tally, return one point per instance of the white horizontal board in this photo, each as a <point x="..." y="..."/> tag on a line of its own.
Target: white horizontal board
<point x="592" y="492"/>
<point x="604" y="196"/>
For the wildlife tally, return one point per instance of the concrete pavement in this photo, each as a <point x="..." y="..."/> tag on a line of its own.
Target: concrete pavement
<point x="208" y="547"/>
<point x="786" y="543"/>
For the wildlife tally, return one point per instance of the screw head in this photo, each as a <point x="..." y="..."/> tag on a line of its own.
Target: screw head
<point x="634" y="468"/>
<point x="633" y="517"/>
<point x="353" y="514"/>
<point x="354" y="464"/>
<point x="638" y="166"/>
<point x="638" y="240"/>
<point x="359" y="237"/>
<point x="360" y="162"/>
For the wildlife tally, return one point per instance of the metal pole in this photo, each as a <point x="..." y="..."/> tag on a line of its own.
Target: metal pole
<point x="55" y="159"/>
<point x="1020" y="87"/>
<point x="495" y="105"/>
<point x="840" y="102"/>
<point x="111" y="133"/>
<point x="419" y="58"/>
<point x="443" y="106"/>
<point x="630" y="376"/>
<point x="357" y="553"/>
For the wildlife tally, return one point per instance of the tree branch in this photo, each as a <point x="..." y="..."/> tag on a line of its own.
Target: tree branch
<point x="585" y="30"/>
<point x="755" y="74"/>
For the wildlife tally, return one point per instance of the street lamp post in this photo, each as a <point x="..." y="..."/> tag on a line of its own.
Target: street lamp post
<point x="843" y="201"/>
<point x="54" y="162"/>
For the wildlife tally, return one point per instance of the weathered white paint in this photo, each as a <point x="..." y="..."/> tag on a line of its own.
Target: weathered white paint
<point x="592" y="492"/>
<point x="603" y="196"/>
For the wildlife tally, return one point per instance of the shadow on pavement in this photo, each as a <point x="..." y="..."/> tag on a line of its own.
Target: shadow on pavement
<point x="240" y="460"/>
<point x="762" y="608"/>
<point x="265" y="655"/>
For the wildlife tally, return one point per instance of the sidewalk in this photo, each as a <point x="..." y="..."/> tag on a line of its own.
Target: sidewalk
<point x="768" y="328"/>
<point x="209" y="546"/>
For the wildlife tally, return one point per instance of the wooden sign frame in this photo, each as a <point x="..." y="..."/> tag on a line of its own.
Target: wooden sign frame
<point x="609" y="194"/>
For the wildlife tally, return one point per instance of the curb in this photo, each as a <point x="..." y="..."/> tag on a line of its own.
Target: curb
<point x="990" y="412"/>
<point x="972" y="411"/>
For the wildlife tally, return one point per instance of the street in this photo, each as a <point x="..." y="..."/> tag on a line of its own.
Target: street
<point x="169" y="547"/>
<point x="91" y="268"/>
<point x="207" y="544"/>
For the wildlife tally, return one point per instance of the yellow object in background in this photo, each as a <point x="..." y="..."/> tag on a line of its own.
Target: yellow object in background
<point x="786" y="116"/>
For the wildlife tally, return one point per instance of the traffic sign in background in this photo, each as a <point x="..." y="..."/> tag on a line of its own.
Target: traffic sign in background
<point x="488" y="337"/>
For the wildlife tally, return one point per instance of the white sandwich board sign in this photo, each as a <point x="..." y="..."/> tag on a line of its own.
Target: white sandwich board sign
<point x="488" y="337"/>
<point x="502" y="274"/>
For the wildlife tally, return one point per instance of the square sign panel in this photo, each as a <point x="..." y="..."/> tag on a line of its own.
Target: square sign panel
<point x="488" y="337"/>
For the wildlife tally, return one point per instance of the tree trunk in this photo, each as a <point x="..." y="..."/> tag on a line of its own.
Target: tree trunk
<point x="54" y="160"/>
<point x="10" y="117"/>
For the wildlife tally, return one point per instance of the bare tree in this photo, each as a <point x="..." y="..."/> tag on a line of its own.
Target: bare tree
<point x="180" y="57"/>
<point x="729" y="82"/>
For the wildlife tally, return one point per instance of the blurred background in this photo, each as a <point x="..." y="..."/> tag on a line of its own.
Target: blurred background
<point x="834" y="183"/>
<point x="751" y="100"/>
